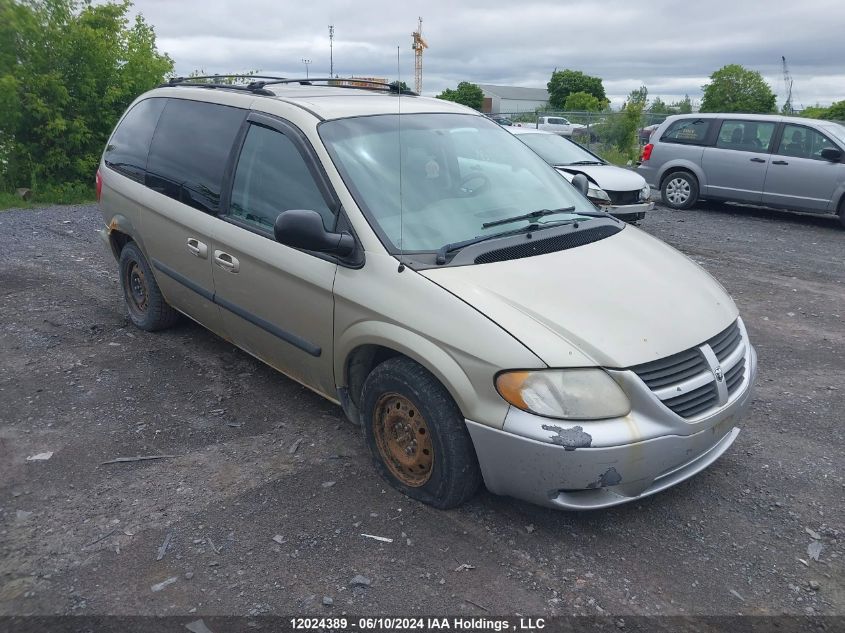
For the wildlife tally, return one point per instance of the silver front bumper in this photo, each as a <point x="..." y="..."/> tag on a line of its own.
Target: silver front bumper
<point x="591" y="465"/>
<point x="628" y="209"/>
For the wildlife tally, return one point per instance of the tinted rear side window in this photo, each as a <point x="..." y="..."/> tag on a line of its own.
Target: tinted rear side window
<point x="128" y="147"/>
<point x="190" y="149"/>
<point x="691" y="131"/>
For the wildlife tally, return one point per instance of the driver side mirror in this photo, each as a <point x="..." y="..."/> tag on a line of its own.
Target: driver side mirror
<point x="581" y="183"/>
<point x="304" y="229"/>
<point x="832" y="154"/>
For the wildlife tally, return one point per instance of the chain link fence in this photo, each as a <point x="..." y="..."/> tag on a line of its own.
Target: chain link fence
<point x="617" y="137"/>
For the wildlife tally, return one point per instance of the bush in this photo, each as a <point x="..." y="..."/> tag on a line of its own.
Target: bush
<point x="76" y="67"/>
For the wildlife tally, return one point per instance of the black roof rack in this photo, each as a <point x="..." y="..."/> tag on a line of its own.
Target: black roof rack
<point x="335" y="82"/>
<point x="258" y="87"/>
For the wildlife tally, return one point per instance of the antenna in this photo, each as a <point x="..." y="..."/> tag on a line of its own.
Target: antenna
<point x="399" y="129"/>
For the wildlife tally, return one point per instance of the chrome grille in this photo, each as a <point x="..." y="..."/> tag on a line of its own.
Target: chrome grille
<point x="671" y="370"/>
<point x="699" y="380"/>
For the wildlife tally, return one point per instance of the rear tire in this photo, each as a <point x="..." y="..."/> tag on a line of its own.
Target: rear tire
<point x="842" y="212"/>
<point x="417" y="436"/>
<point x="679" y="190"/>
<point x="147" y="307"/>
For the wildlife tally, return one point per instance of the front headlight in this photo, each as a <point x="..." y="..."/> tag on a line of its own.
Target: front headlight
<point x="598" y="194"/>
<point x="645" y="193"/>
<point x="573" y="394"/>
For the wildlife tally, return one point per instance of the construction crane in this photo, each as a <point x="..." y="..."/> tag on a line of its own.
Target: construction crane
<point x="419" y="45"/>
<point x="787" y="80"/>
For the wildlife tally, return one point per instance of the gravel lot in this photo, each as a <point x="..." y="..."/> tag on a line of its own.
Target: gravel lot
<point x="269" y="490"/>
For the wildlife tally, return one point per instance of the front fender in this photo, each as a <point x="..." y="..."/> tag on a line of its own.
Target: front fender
<point x="420" y="349"/>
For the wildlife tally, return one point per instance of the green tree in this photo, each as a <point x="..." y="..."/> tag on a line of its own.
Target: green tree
<point x="684" y="106"/>
<point x="836" y="112"/>
<point x="631" y="121"/>
<point x="658" y="106"/>
<point x="565" y="82"/>
<point x="68" y="70"/>
<point x="733" y="88"/>
<point x="466" y="93"/>
<point x="814" y="112"/>
<point x="582" y="102"/>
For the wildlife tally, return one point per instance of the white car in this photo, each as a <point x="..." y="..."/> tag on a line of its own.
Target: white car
<point x="621" y="192"/>
<point x="557" y="125"/>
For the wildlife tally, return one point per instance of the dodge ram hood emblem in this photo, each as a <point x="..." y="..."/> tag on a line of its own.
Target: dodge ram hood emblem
<point x="718" y="373"/>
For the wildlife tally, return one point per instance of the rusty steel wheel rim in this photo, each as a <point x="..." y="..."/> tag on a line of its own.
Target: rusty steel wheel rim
<point x="136" y="287"/>
<point x="403" y="440"/>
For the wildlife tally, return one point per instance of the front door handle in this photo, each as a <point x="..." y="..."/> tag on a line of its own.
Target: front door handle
<point x="227" y="262"/>
<point x="195" y="247"/>
<point x="779" y="162"/>
<point x="758" y="160"/>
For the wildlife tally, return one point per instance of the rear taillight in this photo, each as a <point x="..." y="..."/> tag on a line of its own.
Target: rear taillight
<point x="647" y="152"/>
<point x="99" y="185"/>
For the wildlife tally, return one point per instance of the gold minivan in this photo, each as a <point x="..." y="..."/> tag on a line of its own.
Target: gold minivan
<point x="412" y="261"/>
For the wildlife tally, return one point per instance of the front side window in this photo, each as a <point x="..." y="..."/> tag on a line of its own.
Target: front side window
<point x="689" y="131"/>
<point x="273" y="177"/>
<point x="746" y="136"/>
<point x="128" y="147"/>
<point x="189" y="151"/>
<point x="803" y="142"/>
<point x="437" y="179"/>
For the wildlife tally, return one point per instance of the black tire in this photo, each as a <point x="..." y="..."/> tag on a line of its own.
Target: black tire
<point x="842" y="212"/>
<point x="679" y="190"/>
<point x="451" y="475"/>
<point x="147" y="307"/>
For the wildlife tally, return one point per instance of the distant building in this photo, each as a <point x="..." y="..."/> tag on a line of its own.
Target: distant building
<point x="508" y="99"/>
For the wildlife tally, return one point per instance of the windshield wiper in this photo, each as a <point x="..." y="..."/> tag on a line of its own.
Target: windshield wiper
<point x="533" y="215"/>
<point x="456" y="246"/>
<point x="584" y="162"/>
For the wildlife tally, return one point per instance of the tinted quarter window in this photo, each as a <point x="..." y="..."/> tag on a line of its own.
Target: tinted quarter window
<point x="189" y="151"/>
<point x="746" y="136"/>
<point x="803" y="142"/>
<point x="691" y="131"/>
<point x="272" y="177"/>
<point x="128" y="147"/>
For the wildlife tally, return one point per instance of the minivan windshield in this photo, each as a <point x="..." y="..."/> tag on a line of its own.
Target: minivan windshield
<point x="429" y="180"/>
<point x="556" y="150"/>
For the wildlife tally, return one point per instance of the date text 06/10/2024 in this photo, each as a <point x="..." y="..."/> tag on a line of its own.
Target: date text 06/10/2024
<point x="418" y="624"/>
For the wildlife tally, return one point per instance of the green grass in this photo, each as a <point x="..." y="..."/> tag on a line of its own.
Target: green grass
<point x="64" y="194"/>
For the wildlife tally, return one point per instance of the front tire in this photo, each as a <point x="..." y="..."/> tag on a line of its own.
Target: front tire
<point x="417" y="436"/>
<point x="679" y="190"/>
<point x="147" y="307"/>
<point x="842" y="212"/>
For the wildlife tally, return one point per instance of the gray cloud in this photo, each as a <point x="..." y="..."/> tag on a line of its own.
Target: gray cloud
<point x="670" y="47"/>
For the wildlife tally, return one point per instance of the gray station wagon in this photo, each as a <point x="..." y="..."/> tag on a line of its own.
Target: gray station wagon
<point x="775" y="161"/>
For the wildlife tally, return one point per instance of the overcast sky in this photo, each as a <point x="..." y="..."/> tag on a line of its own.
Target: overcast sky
<point x="670" y="46"/>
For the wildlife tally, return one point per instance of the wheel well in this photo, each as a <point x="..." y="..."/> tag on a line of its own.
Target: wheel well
<point x="360" y="363"/>
<point x="118" y="240"/>
<point x="673" y="170"/>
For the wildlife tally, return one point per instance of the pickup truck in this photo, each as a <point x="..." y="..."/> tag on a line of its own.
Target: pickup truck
<point x="556" y="125"/>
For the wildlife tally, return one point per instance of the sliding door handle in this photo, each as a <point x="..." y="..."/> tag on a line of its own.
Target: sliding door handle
<point x="779" y="162"/>
<point x="197" y="248"/>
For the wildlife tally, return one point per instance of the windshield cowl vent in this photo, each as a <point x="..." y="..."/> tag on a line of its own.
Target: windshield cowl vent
<point x="532" y="247"/>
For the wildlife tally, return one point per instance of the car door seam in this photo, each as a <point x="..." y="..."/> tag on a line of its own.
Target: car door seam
<point x="297" y="341"/>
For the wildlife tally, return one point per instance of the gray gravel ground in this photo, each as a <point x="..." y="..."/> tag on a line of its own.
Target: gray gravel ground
<point x="255" y="527"/>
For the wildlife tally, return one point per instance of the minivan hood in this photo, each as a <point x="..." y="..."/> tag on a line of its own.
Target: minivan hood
<point x="609" y="177"/>
<point x="618" y="302"/>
